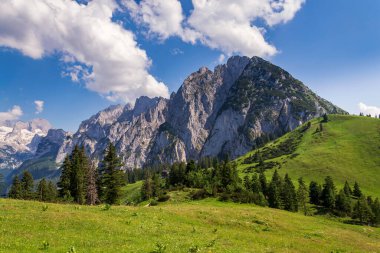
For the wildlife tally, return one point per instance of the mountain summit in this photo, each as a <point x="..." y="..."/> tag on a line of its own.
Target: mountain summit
<point x="228" y="111"/>
<point x="224" y="112"/>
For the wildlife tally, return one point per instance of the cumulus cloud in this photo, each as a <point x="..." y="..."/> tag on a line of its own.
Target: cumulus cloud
<point x="367" y="109"/>
<point x="13" y="114"/>
<point x="219" y="24"/>
<point x="39" y="104"/>
<point x="95" y="50"/>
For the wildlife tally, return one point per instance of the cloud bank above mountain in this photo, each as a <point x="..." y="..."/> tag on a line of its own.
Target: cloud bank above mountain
<point x="11" y="115"/>
<point x="228" y="26"/>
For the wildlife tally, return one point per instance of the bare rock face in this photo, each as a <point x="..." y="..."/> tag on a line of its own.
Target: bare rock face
<point x="225" y="112"/>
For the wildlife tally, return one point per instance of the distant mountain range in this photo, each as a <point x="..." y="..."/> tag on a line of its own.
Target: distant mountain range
<point x="225" y="112"/>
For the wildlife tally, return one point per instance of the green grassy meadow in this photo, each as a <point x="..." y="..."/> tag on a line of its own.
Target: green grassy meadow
<point x="178" y="226"/>
<point x="348" y="148"/>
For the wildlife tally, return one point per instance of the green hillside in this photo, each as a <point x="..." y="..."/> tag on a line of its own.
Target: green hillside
<point x="196" y="226"/>
<point x="347" y="148"/>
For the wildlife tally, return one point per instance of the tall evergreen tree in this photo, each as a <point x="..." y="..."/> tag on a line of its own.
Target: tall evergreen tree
<point x="16" y="189"/>
<point x="256" y="185"/>
<point x="274" y="191"/>
<point x="329" y="193"/>
<point x="2" y="184"/>
<point x="51" y="192"/>
<point x="315" y="191"/>
<point x="64" y="183"/>
<point x="357" y="192"/>
<point x="42" y="190"/>
<point x="302" y="196"/>
<point x="362" y="211"/>
<point x="343" y="203"/>
<point x="112" y="176"/>
<point x="27" y="184"/>
<point x="147" y="188"/>
<point x="289" y="195"/>
<point x="92" y="191"/>
<point x="347" y="189"/>
<point x="263" y="183"/>
<point x="247" y="183"/>
<point x="376" y="212"/>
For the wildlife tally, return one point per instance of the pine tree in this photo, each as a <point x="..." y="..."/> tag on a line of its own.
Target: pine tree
<point x="112" y="177"/>
<point x="2" y="184"/>
<point x="315" y="191"/>
<point x="51" y="192"/>
<point x="376" y="212"/>
<point x="92" y="191"/>
<point x="362" y="211"/>
<point x="247" y="183"/>
<point x="263" y="183"/>
<point x="357" y="192"/>
<point x="302" y="196"/>
<point x="274" y="191"/>
<point x="288" y="195"/>
<point x="64" y="183"/>
<point x="343" y="204"/>
<point x="347" y="189"/>
<point x="27" y="185"/>
<point x="256" y="185"/>
<point x="147" y="189"/>
<point x="328" y="193"/>
<point x="42" y="189"/>
<point x="16" y="189"/>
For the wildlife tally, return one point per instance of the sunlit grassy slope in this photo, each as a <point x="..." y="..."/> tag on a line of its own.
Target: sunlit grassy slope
<point x="348" y="148"/>
<point x="208" y="225"/>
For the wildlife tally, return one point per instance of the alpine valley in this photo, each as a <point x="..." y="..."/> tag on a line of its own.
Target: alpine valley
<point x="226" y="112"/>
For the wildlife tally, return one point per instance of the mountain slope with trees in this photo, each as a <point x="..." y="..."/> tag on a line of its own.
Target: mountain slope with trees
<point x="343" y="147"/>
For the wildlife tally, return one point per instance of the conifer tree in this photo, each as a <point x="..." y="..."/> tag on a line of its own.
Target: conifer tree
<point x="263" y="183"/>
<point x="288" y="195"/>
<point x="302" y="196"/>
<point x="42" y="190"/>
<point x="147" y="188"/>
<point x="274" y="191"/>
<point x="315" y="191"/>
<point x="328" y="193"/>
<point x="92" y="191"/>
<point x="64" y="183"/>
<point x="376" y="212"/>
<point x="347" y="189"/>
<point x="16" y="189"/>
<point x="2" y="184"/>
<point x="362" y="211"/>
<point x="112" y="177"/>
<point x="343" y="203"/>
<point x="357" y="192"/>
<point x="247" y="183"/>
<point x="27" y="185"/>
<point x="51" y="192"/>
<point x="256" y="185"/>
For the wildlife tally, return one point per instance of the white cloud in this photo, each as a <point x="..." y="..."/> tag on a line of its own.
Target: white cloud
<point x="39" y="104"/>
<point x="367" y="109"/>
<point x="221" y="58"/>
<point x="13" y="114"/>
<point x="95" y="50"/>
<point x="220" y="24"/>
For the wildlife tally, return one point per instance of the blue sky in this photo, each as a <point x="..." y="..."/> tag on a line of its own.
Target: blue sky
<point x="332" y="46"/>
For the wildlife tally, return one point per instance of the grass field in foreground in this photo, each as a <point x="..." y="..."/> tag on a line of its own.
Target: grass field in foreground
<point x="208" y="225"/>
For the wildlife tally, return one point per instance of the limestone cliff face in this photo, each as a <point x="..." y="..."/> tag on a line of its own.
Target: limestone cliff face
<point x="227" y="111"/>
